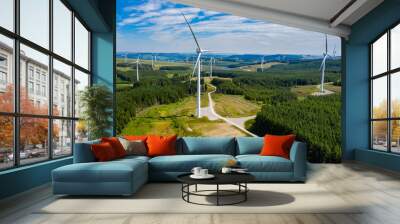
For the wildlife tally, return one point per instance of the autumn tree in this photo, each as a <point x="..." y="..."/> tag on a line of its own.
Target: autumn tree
<point x="33" y="131"/>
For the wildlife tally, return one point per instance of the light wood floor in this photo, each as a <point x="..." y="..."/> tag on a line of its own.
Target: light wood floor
<point x="379" y="189"/>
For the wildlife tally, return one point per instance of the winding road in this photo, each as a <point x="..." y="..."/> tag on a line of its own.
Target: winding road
<point x="212" y="115"/>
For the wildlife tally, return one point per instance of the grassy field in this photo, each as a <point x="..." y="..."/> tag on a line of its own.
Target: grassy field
<point x="302" y="91"/>
<point x="234" y="106"/>
<point x="253" y="68"/>
<point x="177" y="118"/>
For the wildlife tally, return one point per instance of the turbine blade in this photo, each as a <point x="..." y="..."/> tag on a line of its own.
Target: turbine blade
<point x="191" y="30"/>
<point x="326" y="44"/>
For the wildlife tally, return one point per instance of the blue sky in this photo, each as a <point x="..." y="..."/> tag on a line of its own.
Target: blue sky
<point x="158" y="26"/>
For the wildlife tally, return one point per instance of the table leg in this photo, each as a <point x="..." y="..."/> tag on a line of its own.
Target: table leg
<point x="217" y="194"/>
<point x="245" y="193"/>
<point x="195" y="188"/>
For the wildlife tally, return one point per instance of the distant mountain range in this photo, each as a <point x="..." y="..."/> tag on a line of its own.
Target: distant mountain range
<point x="249" y="58"/>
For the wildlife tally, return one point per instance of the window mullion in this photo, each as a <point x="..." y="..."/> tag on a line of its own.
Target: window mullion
<point x="389" y="104"/>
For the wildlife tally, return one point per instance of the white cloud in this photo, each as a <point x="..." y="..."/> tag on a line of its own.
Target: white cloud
<point x="164" y="29"/>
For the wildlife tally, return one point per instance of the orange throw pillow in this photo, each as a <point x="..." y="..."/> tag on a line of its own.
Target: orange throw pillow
<point x="275" y="145"/>
<point x="103" y="152"/>
<point x="161" y="145"/>
<point x="116" y="145"/>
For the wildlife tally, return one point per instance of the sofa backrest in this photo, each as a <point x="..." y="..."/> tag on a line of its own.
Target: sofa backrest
<point x="249" y="145"/>
<point x="206" y="145"/>
<point x="83" y="152"/>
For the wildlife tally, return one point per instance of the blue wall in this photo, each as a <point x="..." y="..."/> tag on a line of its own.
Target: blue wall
<point x="103" y="63"/>
<point x="100" y="17"/>
<point x="356" y="83"/>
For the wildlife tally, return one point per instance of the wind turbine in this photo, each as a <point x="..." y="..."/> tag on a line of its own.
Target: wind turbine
<point x="197" y="65"/>
<point x="212" y="60"/>
<point x="323" y="64"/>
<point x="137" y="68"/>
<point x="262" y="64"/>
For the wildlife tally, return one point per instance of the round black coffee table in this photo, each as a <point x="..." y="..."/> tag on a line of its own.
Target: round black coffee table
<point x="238" y="179"/>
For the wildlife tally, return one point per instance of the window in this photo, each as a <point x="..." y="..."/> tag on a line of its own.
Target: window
<point x="81" y="45"/>
<point x="7" y="14"/>
<point x="62" y="29"/>
<point x="30" y="87"/>
<point x="44" y="116"/>
<point x="6" y="74"/>
<point x="385" y="94"/>
<point x="35" y="21"/>
<point x="62" y="74"/>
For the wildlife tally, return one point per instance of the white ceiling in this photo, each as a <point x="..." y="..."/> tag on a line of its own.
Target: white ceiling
<point x="324" y="16"/>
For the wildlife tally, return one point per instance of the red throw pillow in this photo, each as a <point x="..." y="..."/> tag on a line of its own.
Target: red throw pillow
<point x="275" y="145"/>
<point x="116" y="145"/>
<point x="103" y="152"/>
<point x="161" y="145"/>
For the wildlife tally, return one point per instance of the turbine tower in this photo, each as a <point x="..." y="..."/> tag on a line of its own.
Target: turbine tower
<point x="323" y="64"/>
<point x="137" y="68"/>
<point x="262" y="64"/>
<point x="197" y="65"/>
<point x="211" y="66"/>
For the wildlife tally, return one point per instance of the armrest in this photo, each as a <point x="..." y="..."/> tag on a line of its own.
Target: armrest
<point x="83" y="152"/>
<point x="298" y="155"/>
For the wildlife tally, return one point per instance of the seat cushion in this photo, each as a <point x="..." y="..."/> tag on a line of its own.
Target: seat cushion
<point x="111" y="171"/>
<point x="185" y="163"/>
<point x="257" y="163"/>
<point x="249" y="145"/>
<point x="206" y="145"/>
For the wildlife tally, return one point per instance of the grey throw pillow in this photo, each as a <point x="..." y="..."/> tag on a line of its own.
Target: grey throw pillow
<point x="137" y="148"/>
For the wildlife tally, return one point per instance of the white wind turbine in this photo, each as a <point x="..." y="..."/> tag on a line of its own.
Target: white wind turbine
<point x="197" y="65"/>
<point x="262" y="64"/>
<point x="137" y="68"/>
<point x="323" y="64"/>
<point x="212" y="61"/>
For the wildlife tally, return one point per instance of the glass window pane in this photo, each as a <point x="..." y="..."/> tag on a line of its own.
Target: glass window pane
<point x="34" y="96"/>
<point x="395" y="94"/>
<point x="379" y="97"/>
<point x="379" y="56"/>
<point x="7" y="14"/>
<point x="81" y="82"/>
<point x="395" y="47"/>
<point x="395" y="136"/>
<point x="35" y="21"/>
<point x="6" y="74"/>
<point x="62" y="29"/>
<point x="379" y="135"/>
<point x="81" y="131"/>
<point x="81" y="45"/>
<point x="62" y="89"/>
<point x="62" y="138"/>
<point x="33" y="140"/>
<point x="6" y="142"/>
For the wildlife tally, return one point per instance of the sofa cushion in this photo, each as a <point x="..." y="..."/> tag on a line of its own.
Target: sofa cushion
<point x="161" y="145"/>
<point x="185" y="163"/>
<point x="257" y="163"/>
<point x="206" y="145"/>
<point x="116" y="145"/>
<point x="112" y="171"/>
<point x="277" y="145"/>
<point x="103" y="152"/>
<point x="249" y="145"/>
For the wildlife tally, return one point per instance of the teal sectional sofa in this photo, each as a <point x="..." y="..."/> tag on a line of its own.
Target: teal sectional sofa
<point x="125" y="176"/>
